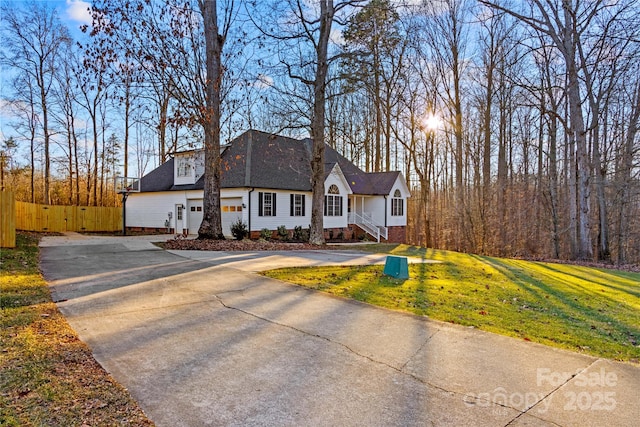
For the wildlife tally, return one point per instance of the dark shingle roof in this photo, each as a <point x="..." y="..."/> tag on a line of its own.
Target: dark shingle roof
<point x="259" y="159"/>
<point x="159" y="179"/>
<point x="263" y="160"/>
<point x="361" y="182"/>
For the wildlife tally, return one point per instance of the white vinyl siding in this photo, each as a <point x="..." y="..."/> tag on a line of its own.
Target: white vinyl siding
<point x="283" y="210"/>
<point x="397" y="204"/>
<point x="151" y="210"/>
<point x="336" y="203"/>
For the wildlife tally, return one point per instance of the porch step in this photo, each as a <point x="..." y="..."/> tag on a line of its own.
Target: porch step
<point x="371" y="228"/>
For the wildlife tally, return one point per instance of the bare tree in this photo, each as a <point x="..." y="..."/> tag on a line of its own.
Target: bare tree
<point x="375" y="49"/>
<point x="178" y="45"/>
<point x="582" y="33"/>
<point x="494" y="42"/>
<point x="211" y="227"/>
<point x="24" y="106"/>
<point x="93" y="95"/>
<point x="66" y="98"/>
<point x="447" y="38"/>
<point x="303" y="33"/>
<point x="35" y="38"/>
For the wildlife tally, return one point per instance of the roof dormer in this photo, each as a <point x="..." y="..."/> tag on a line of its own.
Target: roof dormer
<point x="188" y="167"/>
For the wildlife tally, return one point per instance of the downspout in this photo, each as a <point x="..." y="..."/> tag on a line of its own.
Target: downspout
<point x="247" y="177"/>
<point x="385" y="210"/>
<point x="249" y="213"/>
<point x="185" y="214"/>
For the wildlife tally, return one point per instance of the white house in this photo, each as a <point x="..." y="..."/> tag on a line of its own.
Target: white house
<point x="266" y="183"/>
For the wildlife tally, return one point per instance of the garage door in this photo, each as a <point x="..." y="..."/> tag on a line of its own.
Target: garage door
<point x="194" y="209"/>
<point x="231" y="212"/>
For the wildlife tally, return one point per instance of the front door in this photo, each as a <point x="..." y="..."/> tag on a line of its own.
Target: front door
<point x="179" y="213"/>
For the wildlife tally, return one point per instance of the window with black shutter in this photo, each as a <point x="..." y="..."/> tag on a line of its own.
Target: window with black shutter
<point x="266" y="204"/>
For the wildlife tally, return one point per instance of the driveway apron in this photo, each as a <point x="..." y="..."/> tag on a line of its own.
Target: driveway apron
<point x="199" y="339"/>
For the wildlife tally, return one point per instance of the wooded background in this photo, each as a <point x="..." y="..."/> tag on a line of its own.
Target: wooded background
<point x="515" y="123"/>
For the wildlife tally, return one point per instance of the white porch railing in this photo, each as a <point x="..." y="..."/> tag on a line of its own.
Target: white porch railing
<point x="366" y="223"/>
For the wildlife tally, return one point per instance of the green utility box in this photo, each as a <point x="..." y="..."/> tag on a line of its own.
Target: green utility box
<point x="396" y="266"/>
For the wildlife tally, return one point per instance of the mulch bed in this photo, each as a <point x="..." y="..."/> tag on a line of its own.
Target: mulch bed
<point x="240" y="245"/>
<point x="273" y="245"/>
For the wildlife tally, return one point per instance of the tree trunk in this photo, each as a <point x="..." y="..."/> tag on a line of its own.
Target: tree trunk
<point x="584" y="251"/>
<point x="47" y="137"/>
<point x="127" y="113"/>
<point x="603" y="253"/>
<point x="625" y="178"/>
<point x="94" y="178"/>
<point x="316" y="236"/>
<point x="459" y="161"/>
<point x="211" y="226"/>
<point x="502" y="165"/>
<point x="486" y="160"/>
<point x="553" y="182"/>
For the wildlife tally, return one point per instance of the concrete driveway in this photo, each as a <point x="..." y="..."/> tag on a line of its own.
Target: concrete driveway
<point x="199" y="339"/>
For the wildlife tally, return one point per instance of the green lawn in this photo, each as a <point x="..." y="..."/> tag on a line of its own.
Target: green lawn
<point x="589" y="310"/>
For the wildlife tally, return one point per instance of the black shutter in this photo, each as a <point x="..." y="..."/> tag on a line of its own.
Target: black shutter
<point x="273" y="204"/>
<point x="260" y="197"/>
<point x="340" y="198"/>
<point x="325" y="205"/>
<point x="304" y="212"/>
<point x="291" y="208"/>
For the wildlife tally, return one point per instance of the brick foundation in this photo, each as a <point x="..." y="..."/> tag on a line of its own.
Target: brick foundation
<point x="153" y="230"/>
<point x="397" y="234"/>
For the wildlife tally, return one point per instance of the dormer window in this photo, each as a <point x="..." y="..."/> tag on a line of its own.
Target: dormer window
<point x="184" y="168"/>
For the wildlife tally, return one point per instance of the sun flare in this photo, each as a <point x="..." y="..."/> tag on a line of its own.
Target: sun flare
<point x="431" y="122"/>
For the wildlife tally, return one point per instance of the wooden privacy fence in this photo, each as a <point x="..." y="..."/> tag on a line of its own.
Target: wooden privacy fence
<point x="34" y="217"/>
<point x="7" y="220"/>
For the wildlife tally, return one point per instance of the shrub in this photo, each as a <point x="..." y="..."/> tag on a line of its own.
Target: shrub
<point x="283" y="233"/>
<point x="300" y="235"/>
<point x="265" y="234"/>
<point x="239" y="230"/>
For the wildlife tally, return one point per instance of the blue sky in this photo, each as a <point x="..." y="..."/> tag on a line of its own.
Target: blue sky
<point x="72" y="13"/>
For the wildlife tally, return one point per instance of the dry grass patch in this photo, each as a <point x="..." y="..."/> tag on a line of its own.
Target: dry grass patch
<point x="47" y="375"/>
